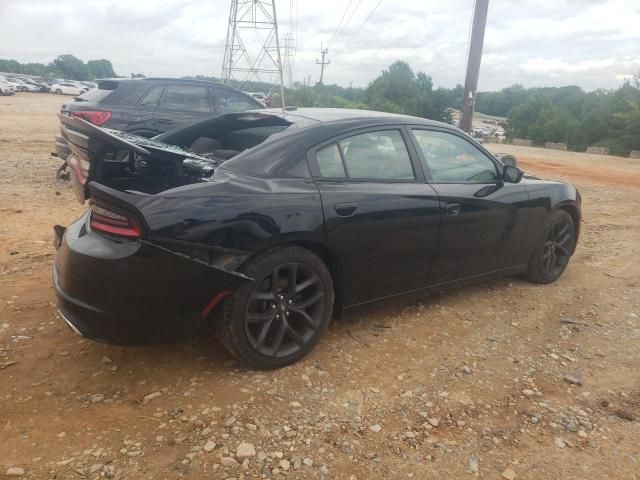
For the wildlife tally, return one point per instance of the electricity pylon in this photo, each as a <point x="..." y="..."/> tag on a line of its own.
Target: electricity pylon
<point x="289" y="54"/>
<point x="252" y="50"/>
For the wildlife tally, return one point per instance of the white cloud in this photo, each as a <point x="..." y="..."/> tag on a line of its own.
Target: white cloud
<point x="592" y="43"/>
<point x="558" y="66"/>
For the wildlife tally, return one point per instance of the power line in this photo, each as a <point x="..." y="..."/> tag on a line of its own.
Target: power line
<point x="358" y="30"/>
<point x="335" y="32"/>
<point x="348" y="21"/>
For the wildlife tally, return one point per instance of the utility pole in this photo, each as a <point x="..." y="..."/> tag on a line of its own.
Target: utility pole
<point x="473" y="64"/>
<point x="323" y="52"/>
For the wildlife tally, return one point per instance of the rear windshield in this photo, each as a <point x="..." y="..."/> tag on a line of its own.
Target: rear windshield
<point x="96" y="95"/>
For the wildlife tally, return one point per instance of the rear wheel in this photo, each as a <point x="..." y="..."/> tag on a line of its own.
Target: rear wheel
<point x="58" y="92"/>
<point x="278" y="319"/>
<point x="551" y="254"/>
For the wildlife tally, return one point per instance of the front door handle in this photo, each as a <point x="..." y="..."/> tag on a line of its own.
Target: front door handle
<point x="346" y="209"/>
<point x="453" y="208"/>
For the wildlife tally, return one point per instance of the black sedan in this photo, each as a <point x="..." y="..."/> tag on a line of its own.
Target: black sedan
<point x="267" y="223"/>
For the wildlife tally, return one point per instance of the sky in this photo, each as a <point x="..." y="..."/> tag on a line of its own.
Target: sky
<point x="590" y="43"/>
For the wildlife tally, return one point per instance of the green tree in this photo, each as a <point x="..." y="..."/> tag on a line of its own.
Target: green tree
<point x="71" y="67"/>
<point x="100" y="69"/>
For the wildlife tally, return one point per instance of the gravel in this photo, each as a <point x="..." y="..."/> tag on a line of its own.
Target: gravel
<point x="15" y="472"/>
<point x="245" y="450"/>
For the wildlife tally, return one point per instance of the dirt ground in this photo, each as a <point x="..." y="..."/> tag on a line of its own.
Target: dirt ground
<point x="471" y="382"/>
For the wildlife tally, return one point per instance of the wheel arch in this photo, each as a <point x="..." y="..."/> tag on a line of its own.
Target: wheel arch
<point x="329" y="258"/>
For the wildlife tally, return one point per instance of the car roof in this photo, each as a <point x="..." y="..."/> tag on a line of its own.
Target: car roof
<point x="311" y="115"/>
<point x="310" y="127"/>
<point x="164" y="79"/>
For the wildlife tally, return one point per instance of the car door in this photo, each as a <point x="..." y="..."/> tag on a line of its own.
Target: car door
<point x="381" y="218"/>
<point x="140" y="118"/>
<point x="483" y="218"/>
<point x="182" y="104"/>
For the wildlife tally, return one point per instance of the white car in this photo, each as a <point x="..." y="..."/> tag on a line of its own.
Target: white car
<point x="66" y="88"/>
<point x="22" y="86"/>
<point x="6" y="88"/>
<point x="31" y="86"/>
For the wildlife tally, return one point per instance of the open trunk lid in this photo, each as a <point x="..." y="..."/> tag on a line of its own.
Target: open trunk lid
<point x="128" y="162"/>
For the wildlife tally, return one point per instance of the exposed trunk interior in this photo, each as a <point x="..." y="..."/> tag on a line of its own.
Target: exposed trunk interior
<point x="150" y="166"/>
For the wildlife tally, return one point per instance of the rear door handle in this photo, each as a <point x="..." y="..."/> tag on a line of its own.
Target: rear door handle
<point x="346" y="209"/>
<point x="453" y="208"/>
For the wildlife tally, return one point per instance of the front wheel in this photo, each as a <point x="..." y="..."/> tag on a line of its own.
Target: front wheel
<point x="58" y="92"/>
<point x="555" y="246"/>
<point x="278" y="319"/>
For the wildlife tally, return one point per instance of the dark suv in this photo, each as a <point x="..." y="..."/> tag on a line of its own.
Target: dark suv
<point x="151" y="106"/>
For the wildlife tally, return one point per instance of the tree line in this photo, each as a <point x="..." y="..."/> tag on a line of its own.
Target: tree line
<point x="608" y="118"/>
<point x="63" y="66"/>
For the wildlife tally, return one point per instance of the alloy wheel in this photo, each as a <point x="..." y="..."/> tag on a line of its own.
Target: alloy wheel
<point x="557" y="248"/>
<point x="284" y="310"/>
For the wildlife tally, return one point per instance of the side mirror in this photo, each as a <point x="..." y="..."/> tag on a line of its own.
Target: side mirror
<point x="512" y="174"/>
<point x="507" y="159"/>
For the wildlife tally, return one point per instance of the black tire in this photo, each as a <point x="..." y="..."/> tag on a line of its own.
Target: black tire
<point x="553" y="249"/>
<point x="267" y="323"/>
<point x="58" y="92"/>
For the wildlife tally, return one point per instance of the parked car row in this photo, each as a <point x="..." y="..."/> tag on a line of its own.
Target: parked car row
<point x="11" y="83"/>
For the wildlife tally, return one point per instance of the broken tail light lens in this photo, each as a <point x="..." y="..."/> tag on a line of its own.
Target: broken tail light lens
<point x="105" y="218"/>
<point x="97" y="118"/>
<point x="80" y="167"/>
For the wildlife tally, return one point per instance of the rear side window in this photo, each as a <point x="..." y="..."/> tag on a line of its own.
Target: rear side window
<point x="152" y="97"/>
<point x="228" y="101"/>
<point x="330" y="162"/>
<point x="96" y="95"/>
<point x="373" y="155"/>
<point x="190" y="98"/>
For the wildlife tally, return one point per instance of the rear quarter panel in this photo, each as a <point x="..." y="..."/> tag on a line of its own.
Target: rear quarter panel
<point x="240" y="215"/>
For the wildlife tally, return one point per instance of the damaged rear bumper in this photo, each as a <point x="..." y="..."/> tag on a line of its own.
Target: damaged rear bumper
<point x="132" y="291"/>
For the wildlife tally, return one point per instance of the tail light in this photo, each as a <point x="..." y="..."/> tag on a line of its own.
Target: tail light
<point x="105" y="218"/>
<point x="97" y="118"/>
<point x="80" y="167"/>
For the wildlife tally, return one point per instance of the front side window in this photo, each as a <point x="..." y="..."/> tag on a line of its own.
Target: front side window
<point x="375" y="155"/>
<point x="227" y="101"/>
<point x="190" y="98"/>
<point x="451" y="158"/>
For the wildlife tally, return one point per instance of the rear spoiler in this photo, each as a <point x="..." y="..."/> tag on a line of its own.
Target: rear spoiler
<point x="84" y="135"/>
